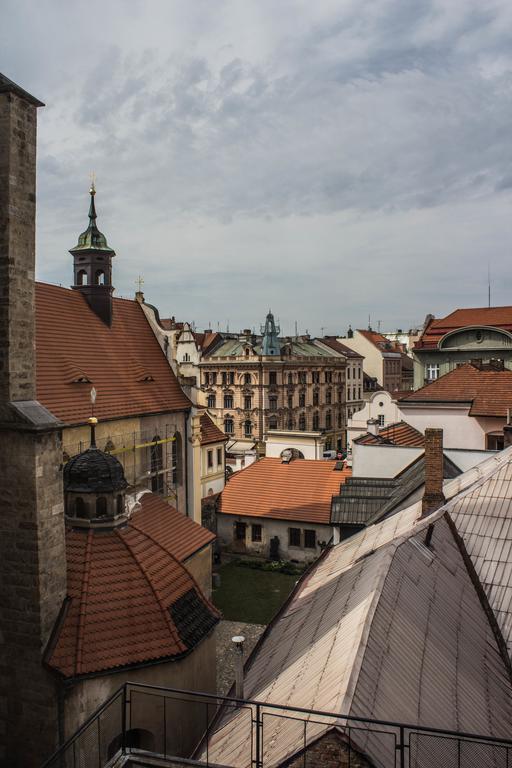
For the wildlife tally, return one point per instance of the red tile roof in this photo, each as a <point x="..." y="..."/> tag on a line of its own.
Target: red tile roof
<point x="123" y="589"/>
<point x="210" y="432"/>
<point x="399" y="433"/>
<point x="301" y="490"/>
<point x="488" y="391"/>
<point x="496" y="317"/>
<point x="333" y="343"/>
<point x="381" y="342"/>
<point x="75" y="350"/>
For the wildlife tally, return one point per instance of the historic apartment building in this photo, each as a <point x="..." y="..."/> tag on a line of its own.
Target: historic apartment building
<point x="384" y="360"/>
<point x="256" y="384"/>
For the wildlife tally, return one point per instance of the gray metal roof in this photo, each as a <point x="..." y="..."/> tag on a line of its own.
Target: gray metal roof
<point x="383" y="626"/>
<point x="364" y="500"/>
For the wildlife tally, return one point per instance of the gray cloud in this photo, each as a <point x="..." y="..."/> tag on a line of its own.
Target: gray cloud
<point x="332" y="161"/>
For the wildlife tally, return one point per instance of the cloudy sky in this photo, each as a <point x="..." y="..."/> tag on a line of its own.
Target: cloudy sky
<point x="330" y="160"/>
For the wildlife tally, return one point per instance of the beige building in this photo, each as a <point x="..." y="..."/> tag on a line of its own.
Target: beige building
<point x="257" y="384"/>
<point x="384" y="360"/>
<point x="354" y="375"/>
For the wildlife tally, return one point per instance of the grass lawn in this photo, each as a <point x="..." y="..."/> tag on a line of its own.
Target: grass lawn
<point x="249" y="595"/>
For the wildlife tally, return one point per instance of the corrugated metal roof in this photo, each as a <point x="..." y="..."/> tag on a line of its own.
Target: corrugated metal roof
<point x="388" y="628"/>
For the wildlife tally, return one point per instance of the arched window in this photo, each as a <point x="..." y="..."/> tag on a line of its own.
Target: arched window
<point x="229" y="426"/>
<point x="272" y="422"/>
<point x="302" y="422"/>
<point x="316" y="420"/>
<point x="99" y="277"/>
<point x="247" y="429"/>
<point x="119" y="505"/>
<point x="211" y="401"/>
<point x="81" y="278"/>
<point x="101" y="506"/>
<point x="80" y="508"/>
<point x="157" y="465"/>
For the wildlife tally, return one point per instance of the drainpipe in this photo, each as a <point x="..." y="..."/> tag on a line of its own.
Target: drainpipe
<point x="187" y="443"/>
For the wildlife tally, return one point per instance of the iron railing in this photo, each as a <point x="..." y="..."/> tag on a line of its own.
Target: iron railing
<point x="207" y="730"/>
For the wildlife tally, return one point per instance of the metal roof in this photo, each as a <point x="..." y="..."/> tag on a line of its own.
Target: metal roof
<point x="383" y="626"/>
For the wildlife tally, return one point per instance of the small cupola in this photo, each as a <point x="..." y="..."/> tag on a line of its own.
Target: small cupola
<point x="92" y="266"/>
<point x="94" y="488"/>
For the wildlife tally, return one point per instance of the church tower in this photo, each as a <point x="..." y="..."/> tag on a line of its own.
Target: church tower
<point x="32" y="543"/>
<point x="92" y="266"/>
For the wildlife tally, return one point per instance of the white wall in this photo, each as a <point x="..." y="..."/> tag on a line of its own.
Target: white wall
<point x="356" y="426"/>
<point x="381" y="460"/>
<point x="465" y="460"/>
<point x="459" y="429"/>
<point x="311" y="446"/>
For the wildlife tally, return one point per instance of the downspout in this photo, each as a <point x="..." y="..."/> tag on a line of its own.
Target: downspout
<point x="187" y="422"/>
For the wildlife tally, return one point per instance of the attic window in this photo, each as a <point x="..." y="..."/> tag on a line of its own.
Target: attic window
<point x="81" y="380"/>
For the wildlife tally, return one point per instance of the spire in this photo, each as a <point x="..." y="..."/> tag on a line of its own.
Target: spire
<point x="270" y="344"/>
<point x="92" y="239"/>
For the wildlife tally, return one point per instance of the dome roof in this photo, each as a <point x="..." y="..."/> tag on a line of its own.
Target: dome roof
<point x="94" y="471"/>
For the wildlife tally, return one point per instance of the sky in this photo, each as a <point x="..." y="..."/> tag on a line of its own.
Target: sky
<point x="334" y="161"/>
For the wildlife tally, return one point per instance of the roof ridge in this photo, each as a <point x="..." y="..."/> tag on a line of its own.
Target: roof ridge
<point x="172" y="629"/>
<point x="82" y="611"/>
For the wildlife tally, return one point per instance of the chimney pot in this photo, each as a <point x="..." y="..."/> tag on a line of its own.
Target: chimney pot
<point x="433" y="496"/>
<point x="372" y="425"/>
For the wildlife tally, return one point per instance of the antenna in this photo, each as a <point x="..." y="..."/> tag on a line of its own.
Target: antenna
<point x="296" y="330"/>
<point x="378" y="325"/>
<point x="369" y="322"/>
<point x="489" y="284"/>
<point x="322" y="329"/>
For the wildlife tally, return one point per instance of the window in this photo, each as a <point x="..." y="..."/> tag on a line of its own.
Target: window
<point x="272" y="403"/>
<point x="100" y="277"/>
<point x="302" y="399"/>
<point x="315" y="377"/>
<point x="80" y="509"/>
<point x="432" y="371"/>
<point x="294" y="537"/>
<point x="224" y="378"/>
<point x="290" y="422"/>
<point x="328" y="420"/>
<point x="290" y="378"/>
<point x="213" y="378"/>
<point x="120" y="504"/>
<point x="240" y="531"/>
<point x="211" y="401"/>
<point x="302" y="377"/>
<point x="290" y="401"/>
<point x="228" y="401"/>
<point x="309" y="539"/>
<point x="247" y="402"/>
<point x="247" y="429"/>
<point x="176" y="454"/>
<point x="328" y="377"/>
<point x="157" y="465"/>
<point x="272" y="378"/>
<point x="207" y="378"/>
<point x="231" y="377"/>
<point x="302" y="422"/>
<point x="272" y="422"/>
<point x="229" y="426"/>
<point x="381" y="419"/>
<point x="315" y="397"/>
<point x="255" y="532"/>
<point x="219" y="457"/>
<point x="316" y="421"/>
<point x="81" y="278"/>
<point x="328" y="397"/>
<point x="349" y="372"/>
<point x="186" y="358"/>
<point x="210" y="459"/>
<point x="101" y="507"/>
<point x="247" y="378"/>
<point x="340" y="395"/>
<point x="340" y="420"/>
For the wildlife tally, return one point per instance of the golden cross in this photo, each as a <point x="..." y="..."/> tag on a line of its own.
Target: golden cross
<point x="139" y="282"/>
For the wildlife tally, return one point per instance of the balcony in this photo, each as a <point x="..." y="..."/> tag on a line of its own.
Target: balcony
<point x="143" y="725"/>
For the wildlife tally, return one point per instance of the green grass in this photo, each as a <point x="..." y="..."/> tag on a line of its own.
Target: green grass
<point x="249" y="595"/>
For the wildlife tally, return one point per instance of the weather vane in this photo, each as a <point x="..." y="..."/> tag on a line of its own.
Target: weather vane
<point x="139" y="283"/>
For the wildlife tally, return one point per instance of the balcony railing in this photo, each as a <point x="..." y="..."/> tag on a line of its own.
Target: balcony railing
<point x="141" y="721"/>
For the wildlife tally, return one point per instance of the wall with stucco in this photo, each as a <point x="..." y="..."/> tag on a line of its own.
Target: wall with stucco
<point x="200" y="566"/>
<point x="270" y="528"/>
<point x="180" y="723"/>
<point x="459" y="429"/>
<point x="379" y="404"/>
<point x="311" y="445"/>
<point x="381" y="460"/>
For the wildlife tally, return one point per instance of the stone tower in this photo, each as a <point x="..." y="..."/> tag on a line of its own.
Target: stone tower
<point x="32" y="543"/>
<point x="92" y="267"/>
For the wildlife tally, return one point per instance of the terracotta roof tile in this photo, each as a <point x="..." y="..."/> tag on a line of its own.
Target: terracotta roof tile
<point x="124" y="592"/>
<point x="75" y="350"/>
<point x="488" y="391"/>
<point x="301" y="490"/>
<point x="399" y="433"/>
<point x="495" y="317"/>
<point x="210" y="432"/>
<point x="381" y="342"/>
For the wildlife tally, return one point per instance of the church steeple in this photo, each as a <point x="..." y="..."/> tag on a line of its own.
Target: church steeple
<point x="93" y="266"/>
<point x="270" y="344"/>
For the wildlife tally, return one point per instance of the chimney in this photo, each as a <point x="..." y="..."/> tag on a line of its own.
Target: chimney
<point x="372" y="426"/>
<point x="32" y="540"/>
<point x="433" y="496"/>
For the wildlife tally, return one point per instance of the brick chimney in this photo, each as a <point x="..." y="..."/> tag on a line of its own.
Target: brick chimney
<point x="433" y="496"/>
<point x="32" y="541"/>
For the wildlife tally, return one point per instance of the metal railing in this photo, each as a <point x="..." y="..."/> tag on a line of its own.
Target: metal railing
<point x="207" y="730"/>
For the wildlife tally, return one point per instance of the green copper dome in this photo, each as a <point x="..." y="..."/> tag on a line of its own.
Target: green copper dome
<point x="92" y="239"/>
